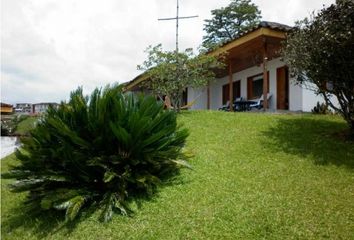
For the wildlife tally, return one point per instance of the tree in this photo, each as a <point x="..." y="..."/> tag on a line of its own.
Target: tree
<point x="229" y="22"/>
<point x="320" y="53"/>
<point x="170" y="73"/>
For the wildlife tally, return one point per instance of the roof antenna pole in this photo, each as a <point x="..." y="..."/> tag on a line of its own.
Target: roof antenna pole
<point x="177" y="18"/>
<point x="177" y="15"/>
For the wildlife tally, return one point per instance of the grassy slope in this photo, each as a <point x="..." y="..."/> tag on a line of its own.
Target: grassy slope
<point x="256" y="176"/>
<point x="24" y="126"/>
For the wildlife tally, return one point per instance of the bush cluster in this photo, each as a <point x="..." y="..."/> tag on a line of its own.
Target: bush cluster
<point x="321" y="108"/>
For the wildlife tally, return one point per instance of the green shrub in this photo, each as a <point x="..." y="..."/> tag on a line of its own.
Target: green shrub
<point x="103" y="150"/>
<point x="9" y="125"/>
<point x="5" y="131"/>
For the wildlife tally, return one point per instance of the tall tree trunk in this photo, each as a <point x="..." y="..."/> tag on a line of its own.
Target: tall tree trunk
<point x="176" y="101"/>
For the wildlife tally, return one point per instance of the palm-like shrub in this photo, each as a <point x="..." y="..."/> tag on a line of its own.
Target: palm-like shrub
<point x="103" y="150"/>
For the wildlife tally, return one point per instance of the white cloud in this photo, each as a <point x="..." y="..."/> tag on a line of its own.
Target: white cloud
<point x="50" y="47"/>
<point x="289" y="11"/>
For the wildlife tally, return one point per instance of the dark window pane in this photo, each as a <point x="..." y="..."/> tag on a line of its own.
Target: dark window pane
<point x="257" y="88"/>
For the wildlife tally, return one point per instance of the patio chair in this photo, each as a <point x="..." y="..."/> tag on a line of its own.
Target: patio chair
<point x="258" y="103"/>
<point x="238" y="99"/>
<point x="236" y="105"/>
<point x="225" y="107"/>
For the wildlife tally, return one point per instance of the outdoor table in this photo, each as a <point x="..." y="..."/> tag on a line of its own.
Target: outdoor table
<point x="243" y="105"/>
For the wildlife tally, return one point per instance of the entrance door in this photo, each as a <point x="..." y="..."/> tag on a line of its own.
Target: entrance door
<point x="283" y="88"/>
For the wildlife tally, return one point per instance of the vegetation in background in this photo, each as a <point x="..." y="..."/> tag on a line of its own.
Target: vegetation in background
<point x="100" y="151"/>
<point x="320" y="52"/>
<point x="5" y="129"/>
<point x="229" y="22"/>
<point x="321" y="108"/>
<point x="170" y="73"/>
<point x="256" y="176"/>
<point x="10" y="124"/>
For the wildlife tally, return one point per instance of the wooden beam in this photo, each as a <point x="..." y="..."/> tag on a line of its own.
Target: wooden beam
<point x="142" y="77"/>
<point x="248" y="37"/>
<point x="265" y="75"/>
<point x="273" y="33"/>
<point x="231" y="85"/>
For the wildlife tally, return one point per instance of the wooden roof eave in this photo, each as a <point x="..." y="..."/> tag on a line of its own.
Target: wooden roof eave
<point x="142" y="77"/>
<point x="267" y="32"/>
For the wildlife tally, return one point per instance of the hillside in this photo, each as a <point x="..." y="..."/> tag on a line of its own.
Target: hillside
<point x="255" y="176"/>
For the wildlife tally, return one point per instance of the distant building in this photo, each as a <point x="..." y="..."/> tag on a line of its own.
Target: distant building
<point x="23" y="108"/>
<point x="6" y="108"/>
<point x="42" y="107"/>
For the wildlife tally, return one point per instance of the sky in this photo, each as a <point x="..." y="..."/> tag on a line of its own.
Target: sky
<point x="51" y="47"/>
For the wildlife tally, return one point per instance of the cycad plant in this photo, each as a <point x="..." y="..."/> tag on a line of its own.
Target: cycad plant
<point x="103" y="150"/>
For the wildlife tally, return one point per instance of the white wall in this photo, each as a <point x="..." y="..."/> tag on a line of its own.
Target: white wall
<point x="310" y="99"/>
<point x="295" y="96"/>
<point x="200" y="95"/>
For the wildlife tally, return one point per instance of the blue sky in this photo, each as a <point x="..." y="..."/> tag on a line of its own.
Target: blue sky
<point x="50" y="47"/>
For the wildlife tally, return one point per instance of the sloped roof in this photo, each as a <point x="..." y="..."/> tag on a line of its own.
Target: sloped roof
<point x="5" y="105"/>
<point x="264" y="24"/>
<point x="46" y="103"/>
<point x="275" y="26"/>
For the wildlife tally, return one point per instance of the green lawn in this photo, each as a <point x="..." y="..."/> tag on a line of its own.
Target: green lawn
<point x="256" y="176"/>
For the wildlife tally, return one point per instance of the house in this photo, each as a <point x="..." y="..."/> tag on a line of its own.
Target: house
<point x="254" y="71"/>
<point x="6" y="108"/>
<point x="39" y="108"/>
<point x="25" y="108"/>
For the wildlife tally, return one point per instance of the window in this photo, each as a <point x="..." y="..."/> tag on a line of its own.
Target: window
<point x="226" y="91"/>
<point x="255" y="86"/>
<point x="257" y="90"/>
